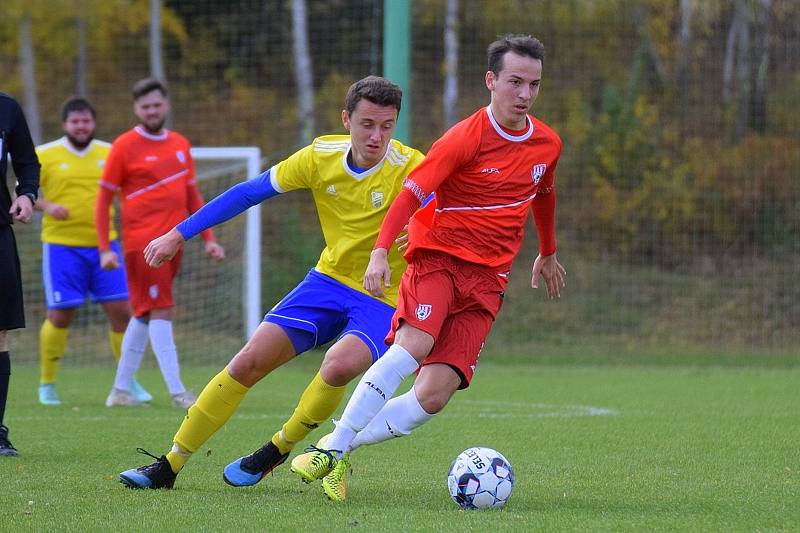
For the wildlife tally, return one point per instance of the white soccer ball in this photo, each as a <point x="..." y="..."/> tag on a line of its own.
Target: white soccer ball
<point x="480" y="478"/>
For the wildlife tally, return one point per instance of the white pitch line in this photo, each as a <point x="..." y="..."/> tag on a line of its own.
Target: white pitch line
<point x="502" y="409"/>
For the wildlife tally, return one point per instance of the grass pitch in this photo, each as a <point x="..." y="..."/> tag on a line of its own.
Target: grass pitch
<point x="594" y="448"/>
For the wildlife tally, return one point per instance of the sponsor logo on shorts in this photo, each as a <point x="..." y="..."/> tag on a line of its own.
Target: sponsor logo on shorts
<point x="423" y="311"/>
<point x="153" y="291"/>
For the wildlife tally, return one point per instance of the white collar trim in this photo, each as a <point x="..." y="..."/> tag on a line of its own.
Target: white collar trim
<point x="160" y="137"/>
<point x="361" y="175"/>
<point x="505" y="135"/>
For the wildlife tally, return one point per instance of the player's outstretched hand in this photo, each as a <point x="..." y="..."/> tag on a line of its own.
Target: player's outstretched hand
<point x="22" y="209"/>
<point x="378" y="274"/>
<point x="215" y="251"/>
<point x="109" y="260"/>
<point x="552" y="272"/>
<point x="402" y="240"/>
<point x="164" y="248"/>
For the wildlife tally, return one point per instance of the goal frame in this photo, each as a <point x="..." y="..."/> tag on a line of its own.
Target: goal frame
<point x="251" y="297"/>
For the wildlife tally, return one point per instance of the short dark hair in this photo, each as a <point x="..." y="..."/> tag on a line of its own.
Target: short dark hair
<point x="148" y="85"/>
<point x="377" y="90"/>
<point x="75" y="104"/>
<point x="523" y="45"/>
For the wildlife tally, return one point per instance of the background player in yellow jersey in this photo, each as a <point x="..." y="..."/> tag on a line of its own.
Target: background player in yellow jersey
<point x="70" y="177"/>
<point x="353" y="179"/>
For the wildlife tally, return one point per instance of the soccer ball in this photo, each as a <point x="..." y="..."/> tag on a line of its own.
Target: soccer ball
<point x="480" y="478"/>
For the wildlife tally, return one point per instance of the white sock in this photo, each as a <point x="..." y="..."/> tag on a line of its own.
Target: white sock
<point x="376" y="387"/>
<point x="398" y="418"/>
<point x="134" y="343"/>
<point x="166" y="354"/>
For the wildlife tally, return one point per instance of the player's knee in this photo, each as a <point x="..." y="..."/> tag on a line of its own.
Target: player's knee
<point x="435" y="385"/>
<point x="60" y="323"/>
<point x="246" y="368"/>
<point x="433" y="401"/>
<point x="257" y="359"/>
<point x="432" y="398"/>
<point x="339" y="371"/>
<point x="59" y="320"/>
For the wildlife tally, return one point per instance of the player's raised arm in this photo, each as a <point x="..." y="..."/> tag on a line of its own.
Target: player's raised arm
<point x="227" y="205"/>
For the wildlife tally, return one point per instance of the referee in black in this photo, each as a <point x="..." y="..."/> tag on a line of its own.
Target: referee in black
<point x="15" y="141"/>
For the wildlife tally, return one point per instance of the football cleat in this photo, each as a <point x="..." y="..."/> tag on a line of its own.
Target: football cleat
<point x="335" y="483"/>
<point x="6" y="448"/>
<point x="316" y="463"/>
<point x="121" y="398"/>
<point x="183" y="400"/>
<point x="139" y="392"/>
<point x="249" y="470"/>
<point x="158" y="475"/>
<point x="48" y="394"/>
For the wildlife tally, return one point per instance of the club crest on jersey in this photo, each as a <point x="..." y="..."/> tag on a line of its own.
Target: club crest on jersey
<point x="377" y="199"/>
<point x="181" y="156"/>
<point x="423" y="311"/>
<point x="537" y="172"/>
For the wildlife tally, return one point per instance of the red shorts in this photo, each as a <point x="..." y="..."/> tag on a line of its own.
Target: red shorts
<point x="455" y="302"/>
<point x="150" y="288"/>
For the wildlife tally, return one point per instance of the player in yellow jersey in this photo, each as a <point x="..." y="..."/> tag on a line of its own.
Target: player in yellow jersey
<point x="70" y="177"/>
<point x="353" y="179"/>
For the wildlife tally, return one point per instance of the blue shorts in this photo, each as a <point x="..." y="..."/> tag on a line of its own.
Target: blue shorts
<point x="321" y="309"/>
<point x="71" y="273"/>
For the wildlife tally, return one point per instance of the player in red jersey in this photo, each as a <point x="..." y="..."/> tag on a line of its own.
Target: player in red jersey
<point x="151" y="170"/>
<point x="489" y="172"/>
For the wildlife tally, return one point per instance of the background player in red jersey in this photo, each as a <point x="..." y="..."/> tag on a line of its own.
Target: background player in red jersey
<point x="489" y="172"/>
<point x="151" y="169"/>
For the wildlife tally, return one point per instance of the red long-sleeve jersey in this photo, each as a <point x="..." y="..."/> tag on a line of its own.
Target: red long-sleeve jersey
<point x="154" y="176"/>
<point x="487" y="179"/>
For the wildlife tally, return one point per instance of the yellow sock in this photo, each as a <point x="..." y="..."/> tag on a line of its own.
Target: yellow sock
<point x="316" y="405"/>
<point x="52" y="343"/>
<point x="214" y="406"/>
<point x="115" y="339"/>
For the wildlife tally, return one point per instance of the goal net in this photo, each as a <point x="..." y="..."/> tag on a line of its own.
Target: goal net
<point x="218" y="304"/>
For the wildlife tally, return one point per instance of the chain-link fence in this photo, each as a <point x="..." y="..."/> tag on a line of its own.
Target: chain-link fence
<point x="677" y="186"/>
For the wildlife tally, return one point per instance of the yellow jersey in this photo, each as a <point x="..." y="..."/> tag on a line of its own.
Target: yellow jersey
<point x="351" y="205"/>
<point x="71" y="178"/>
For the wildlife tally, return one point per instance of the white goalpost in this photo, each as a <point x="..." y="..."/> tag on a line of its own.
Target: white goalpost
<point x="251" y="297"/>
<point x="210" y="322"/>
